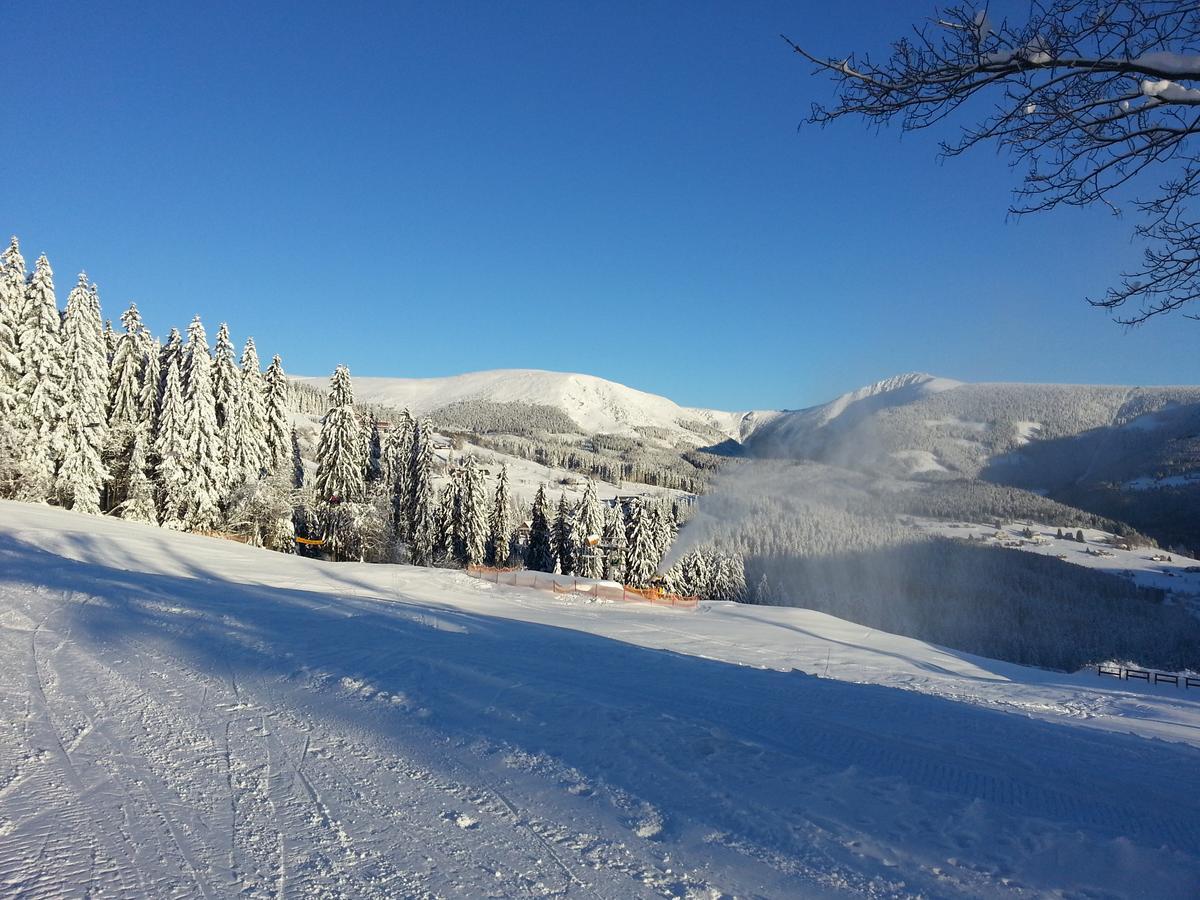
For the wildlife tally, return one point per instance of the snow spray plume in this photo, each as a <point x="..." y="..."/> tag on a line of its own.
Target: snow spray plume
<point x="778" y="478"/>
<point x="840" y="541"/>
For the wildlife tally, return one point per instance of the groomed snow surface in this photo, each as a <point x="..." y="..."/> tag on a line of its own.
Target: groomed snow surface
<point x="183" y="716"/>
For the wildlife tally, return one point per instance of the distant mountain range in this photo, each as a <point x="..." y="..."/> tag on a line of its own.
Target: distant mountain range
<point x="1128" y="453"/>
<point x="1039" y="436"/>
<point x="593" y="405"/>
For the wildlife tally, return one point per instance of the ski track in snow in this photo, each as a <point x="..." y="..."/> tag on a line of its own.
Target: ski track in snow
<point x="184" y="717"/>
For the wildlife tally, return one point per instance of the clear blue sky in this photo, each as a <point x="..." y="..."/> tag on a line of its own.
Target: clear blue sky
<point x="617" y="189"/>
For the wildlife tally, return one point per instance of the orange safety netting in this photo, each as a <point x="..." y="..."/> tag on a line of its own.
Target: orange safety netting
<point x="567" y="584"/>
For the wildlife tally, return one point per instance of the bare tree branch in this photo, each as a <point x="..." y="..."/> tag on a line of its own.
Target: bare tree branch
<point x="1090" y="97"/>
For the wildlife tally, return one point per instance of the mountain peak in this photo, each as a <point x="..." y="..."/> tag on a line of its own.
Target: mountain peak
<point x="912" y="384"/>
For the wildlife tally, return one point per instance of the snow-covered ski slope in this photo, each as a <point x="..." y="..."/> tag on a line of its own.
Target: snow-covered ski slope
<point x="183" y="716"/>
<point x="595" y="405"/>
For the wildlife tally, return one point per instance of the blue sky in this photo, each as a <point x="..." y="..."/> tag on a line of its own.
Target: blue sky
<point x="619" y="189"/>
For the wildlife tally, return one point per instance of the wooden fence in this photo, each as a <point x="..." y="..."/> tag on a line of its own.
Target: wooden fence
<point x="580" y="587"/>
<point x="1148" y="675"/>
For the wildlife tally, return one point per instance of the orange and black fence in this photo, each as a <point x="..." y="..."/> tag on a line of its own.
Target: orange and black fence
<point x="580" y="587"/>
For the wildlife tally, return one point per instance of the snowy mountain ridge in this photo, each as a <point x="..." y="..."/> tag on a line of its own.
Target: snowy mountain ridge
<point x="898" y="387"/>
<point x="594" y="404"/>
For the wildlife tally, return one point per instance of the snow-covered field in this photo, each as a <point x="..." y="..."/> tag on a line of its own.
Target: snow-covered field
<point x="182" y="716"/>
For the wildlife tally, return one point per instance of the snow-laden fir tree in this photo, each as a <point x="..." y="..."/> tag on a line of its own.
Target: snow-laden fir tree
<point x="85" y="399"/>
<point x="138" y="505"/>
<point x="539" y="553"/>
<point x="225" y="375"/>
<point x="642" y="556"/>
<point x="589" y="528"/>
<point x="473" y="515"/>
<point x="691" y="576"/>
<point x="125" y="374"/>
<point x="341" y="388"/>
<point x="341" y="466"/>
<point x="203" y="448"/>
<point x="279" y="429"/>
<point x="374" y="451"/>
<point x="763" y="594"/>
<point x="394" y="470"/>
<point x="170" y="449"/>
<point x="730" y="581"/>
<point x="458" y="550"/>
<point x="615" y="544"/>
<point x="500" y="534"/>
<point x="710" y="575"/>
<point x="664" y="528"/>
<point x="298" y="477"/>
<point x="173" y="349"/>
<point x="444" y="530"/>
<point x="110" y="341"/>
<point x="420" y="506"/>
<point x="246" y="424"/>
<point x="262" y="511"/>
<point x="12" y="302"/>
<point x="562" y="536"/>
<point x="149" y="395"/>
<point x="40" y="396"/>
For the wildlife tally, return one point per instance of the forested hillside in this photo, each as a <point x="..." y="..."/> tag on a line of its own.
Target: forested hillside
<point x="189" y="437"/>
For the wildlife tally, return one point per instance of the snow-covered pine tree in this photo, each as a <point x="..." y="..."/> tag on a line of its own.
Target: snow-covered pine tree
<point x="40" y="390"/>
<point x="763" y="595"/>
<point x="615" y="544"/>
<point x="458" y="524"/>
<point x="203" y="450"/>
<point x="279" y="429"/>
<point x="171" y="451"/>
<point x="225" y="375"/>
<point x="473" y="515"/>
<point x="262" y="510"/>
<point x="539" y="553"/>
<point x="123" y="411"/>
<point x="138" y="505"/>
<point x="589" y="527"/>
<point x="443" y="543"/>
<point x="642" y="556"/>
<point x="420" y="505"/>
<point x="110" y="341"/>
<point x="374" y="451"/>
<point x="246" y="425"/>
<point x="12" y="302"/>
<point x="172" y="349"/>
<point x="393" y="470"/>
<point x="125" y="375"/>
<point x="730" y="581"/>
<point x="500" y="534"/>
<point x="341" y="465"/>
<point x="341" y="388"/>
<point x="85" y="394"/>
<point x="664" y="529"/>
<point x="563" y="536"/>
<point x="148" y="396"/>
